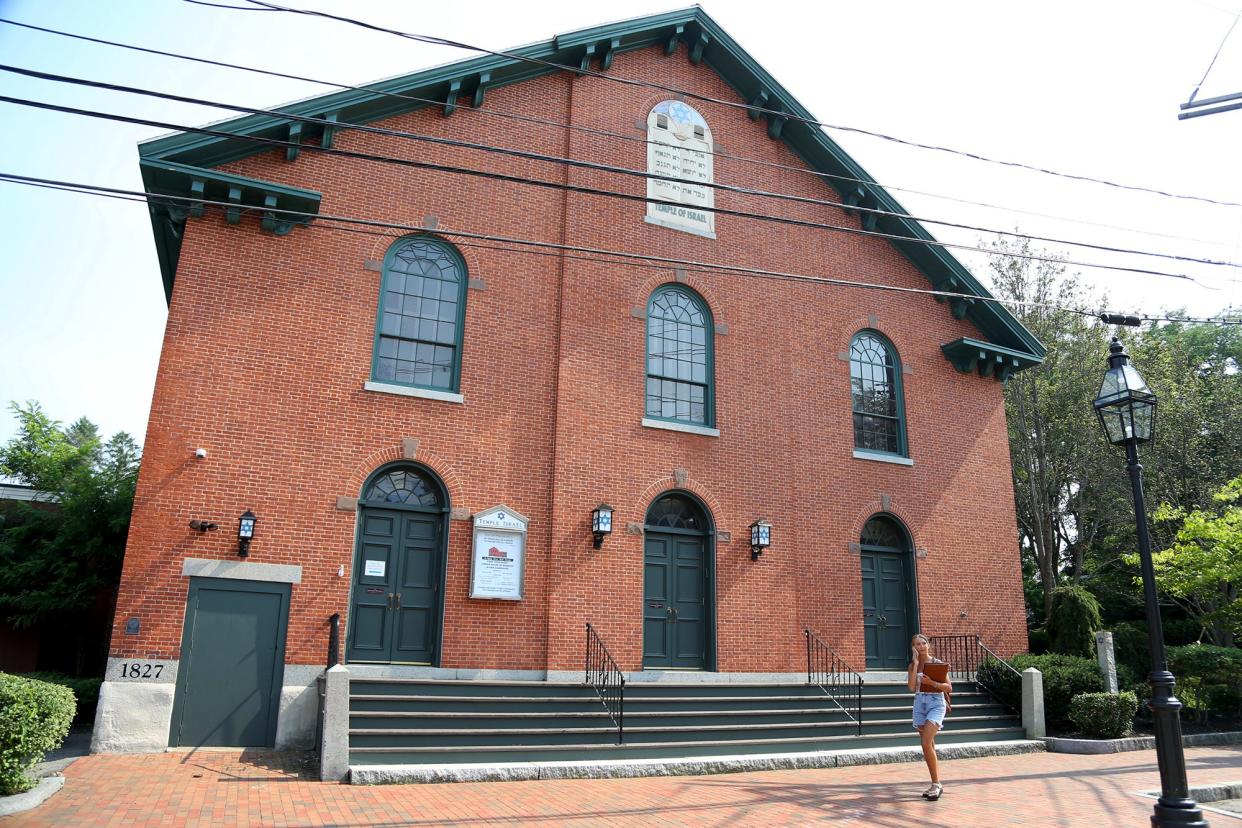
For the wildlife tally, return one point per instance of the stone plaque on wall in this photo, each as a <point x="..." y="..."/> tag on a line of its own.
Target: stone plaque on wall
<point x="679" y="145"/>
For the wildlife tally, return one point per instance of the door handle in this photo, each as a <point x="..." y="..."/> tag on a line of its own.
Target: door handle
<point x="398" y="601"/>
<point x="390" y="600"/>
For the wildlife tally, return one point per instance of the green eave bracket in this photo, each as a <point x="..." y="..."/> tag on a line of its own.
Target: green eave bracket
<point x="987" y="360"/>
<point x="280" y="207"/>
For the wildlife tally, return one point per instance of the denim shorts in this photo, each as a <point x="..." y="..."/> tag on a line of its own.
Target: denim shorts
<point x="929" y="707"/>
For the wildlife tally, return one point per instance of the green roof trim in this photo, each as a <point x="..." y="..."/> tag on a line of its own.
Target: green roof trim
<point x="986" y="359"/>
<point x="463" y="83"/>
<point x="193" y="186"/>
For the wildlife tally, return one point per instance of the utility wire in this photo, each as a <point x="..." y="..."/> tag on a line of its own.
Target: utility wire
<point x="590" y="165"/>
<point x="1214" y="57"/>
<point x="582" y="190"/>
<point x="750" y="108"/>
<point x="716" y="153"/>
<point x="592" y="254"/>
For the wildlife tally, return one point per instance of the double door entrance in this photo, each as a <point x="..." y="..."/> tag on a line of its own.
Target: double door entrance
<point x="677" y="620"/>
<point x="395" y="612"/>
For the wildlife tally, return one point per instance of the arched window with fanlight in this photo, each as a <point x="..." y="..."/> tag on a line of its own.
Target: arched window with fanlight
<point x="875" y="389"/>
<point x="679" y="357"/>
<point x="418" y="334"/>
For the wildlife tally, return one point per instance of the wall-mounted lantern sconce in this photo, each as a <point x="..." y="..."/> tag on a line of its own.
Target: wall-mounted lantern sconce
<point x="601" y="523"/>
<point x="760" y="538"/>
<point x="245" y="532"/>
<point x="203" y="525"/>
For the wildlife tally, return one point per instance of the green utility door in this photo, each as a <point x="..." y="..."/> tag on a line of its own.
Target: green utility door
<point x="395" y="612"/>
<point x="232" y="664"/>
<point x="675" y="617"/>
<point x="887" y="613"/>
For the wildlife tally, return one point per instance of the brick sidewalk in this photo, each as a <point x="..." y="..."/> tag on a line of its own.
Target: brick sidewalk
<point x="225" y="789"/>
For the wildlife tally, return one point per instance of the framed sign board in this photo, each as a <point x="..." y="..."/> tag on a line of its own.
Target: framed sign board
<point x="498" y="559"/>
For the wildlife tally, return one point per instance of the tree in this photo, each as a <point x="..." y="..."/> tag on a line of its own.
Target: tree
<point x="1201" y="570"/>
<point x="56" y="560"/>
<point x="1051" y="431"/>
<point x="1074" y="619"/>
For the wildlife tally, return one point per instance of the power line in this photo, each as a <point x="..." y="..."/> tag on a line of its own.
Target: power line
<point x="590" y="165"/>
<point x="1212" y="62"/>
<point x="516" y="245"/>
<point x="716" y="153"/>
<point x="581" y="190"/>
<point x="750" y="108"/>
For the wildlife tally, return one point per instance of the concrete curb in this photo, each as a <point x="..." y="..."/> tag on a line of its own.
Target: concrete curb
<point x="32" y="798"/>
<point x="690" y="766"/>
<point x="1094" y="746"/>
<point x="1213" y="793"/>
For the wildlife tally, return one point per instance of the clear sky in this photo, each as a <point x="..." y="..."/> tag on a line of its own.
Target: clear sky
<point x="1086" y="88"/>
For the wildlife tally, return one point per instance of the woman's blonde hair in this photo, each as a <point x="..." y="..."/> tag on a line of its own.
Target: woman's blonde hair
<point x="918" y="636"/>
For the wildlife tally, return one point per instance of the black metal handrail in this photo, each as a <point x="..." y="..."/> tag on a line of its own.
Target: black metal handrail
<point x="605" y="676"/>
<point x="334" y="640"/>
<point x="833" y="674"/>
<point x="966" y="654"/>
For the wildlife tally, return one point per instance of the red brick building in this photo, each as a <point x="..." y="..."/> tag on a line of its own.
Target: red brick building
<point x="368" y="390"/>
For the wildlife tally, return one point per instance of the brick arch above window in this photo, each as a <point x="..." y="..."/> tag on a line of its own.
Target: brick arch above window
<point x="886" y="508"/>
<point x="398" y="453"/>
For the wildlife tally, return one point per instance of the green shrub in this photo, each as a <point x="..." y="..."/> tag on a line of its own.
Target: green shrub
<point x="1209" y="678"/>
<point x="1104" y="715"/>
<point x="1065" y="676"/>
<point x="34" y="718"/>
<point x="85" y="691"/>
<point x="1072" y="621"/>
<point x="1130" y="647"/>
<point x="1037" y="640"/>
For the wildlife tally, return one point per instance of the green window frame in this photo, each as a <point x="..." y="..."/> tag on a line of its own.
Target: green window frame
<point x="680" y="370"/>
<point x="878" y="405"/>
<point x="421" y="315"/>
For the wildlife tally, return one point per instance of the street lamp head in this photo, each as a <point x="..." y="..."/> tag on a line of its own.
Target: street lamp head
<point x="1126" y="406"/>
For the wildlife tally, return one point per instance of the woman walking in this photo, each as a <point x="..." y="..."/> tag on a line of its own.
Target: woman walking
<point x="930" y="707"/>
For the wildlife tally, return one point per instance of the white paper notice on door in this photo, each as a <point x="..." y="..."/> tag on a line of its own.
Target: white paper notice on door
<point x="374" y="569"/>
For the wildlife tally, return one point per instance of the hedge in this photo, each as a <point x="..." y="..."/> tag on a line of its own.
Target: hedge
<point x="1065" y="677"/>
<point x="1209" y="678"/>
<point x="34" y="718"/>
<point x="1104" y="715"/>
<point x="85" y="691"/>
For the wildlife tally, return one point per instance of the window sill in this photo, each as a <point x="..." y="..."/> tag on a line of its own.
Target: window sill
<point x="883" y="458"/>
<point x="411" y="391"/>
<point x="668" y="425"/>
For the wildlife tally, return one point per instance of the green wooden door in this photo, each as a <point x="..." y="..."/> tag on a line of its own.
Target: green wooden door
<point x="887" y="612"/>
<point x="232" y="664"/>
<point x="675" y="611"/>
<point x="395" y="611"/>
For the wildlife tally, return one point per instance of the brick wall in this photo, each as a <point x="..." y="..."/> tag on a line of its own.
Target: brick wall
<point x="269" y="343"/>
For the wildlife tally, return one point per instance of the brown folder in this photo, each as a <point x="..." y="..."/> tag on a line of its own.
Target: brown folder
<point x="936" y="671"/>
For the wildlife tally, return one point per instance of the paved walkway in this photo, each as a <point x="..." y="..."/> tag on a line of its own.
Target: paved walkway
<point x="227" y="789"/>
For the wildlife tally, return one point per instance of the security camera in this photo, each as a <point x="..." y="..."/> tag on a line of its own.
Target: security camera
<point x="200" y="452"/>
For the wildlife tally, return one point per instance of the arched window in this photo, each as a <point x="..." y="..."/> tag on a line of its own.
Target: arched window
<point x="875" y="385"/>
<point x="882" y="531"/>
<point x="405" y="486"/>
<point x="676" y="511"/>
<point x="679" y="357"/>
<point x="422" y="310"/>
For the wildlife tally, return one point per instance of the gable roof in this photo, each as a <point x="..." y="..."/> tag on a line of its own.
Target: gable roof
<point x="179" y="164"/>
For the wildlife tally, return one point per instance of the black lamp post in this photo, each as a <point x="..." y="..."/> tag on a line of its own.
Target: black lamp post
<point x="1127" y="410"/>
